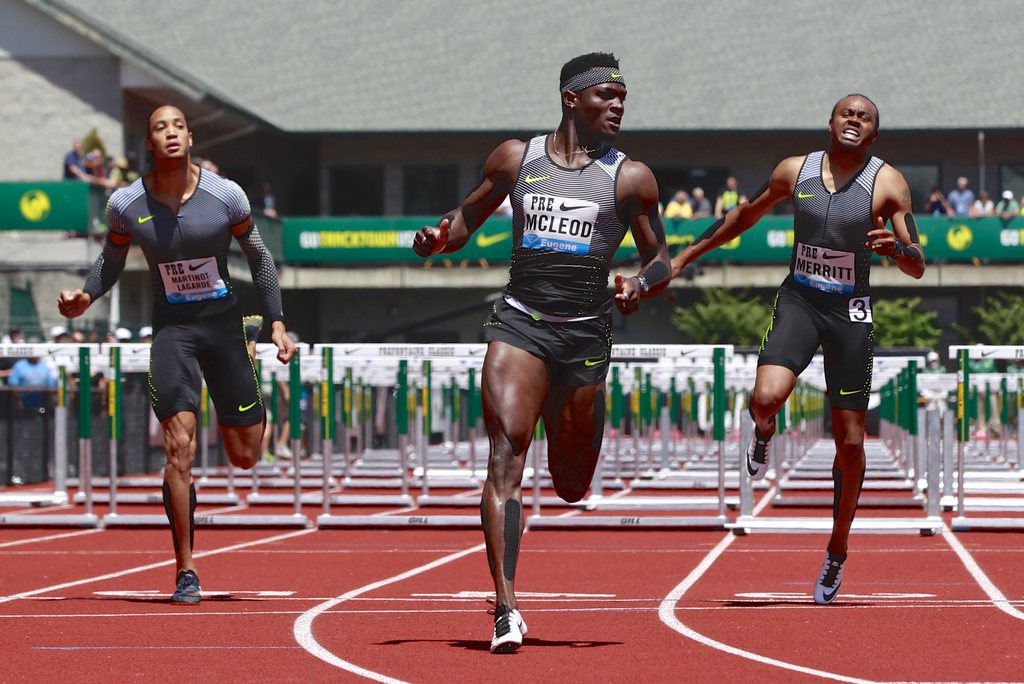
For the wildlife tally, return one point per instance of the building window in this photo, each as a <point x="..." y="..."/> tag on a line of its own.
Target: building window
<point x="429" y="190"/>
<point x="357" y="190"/>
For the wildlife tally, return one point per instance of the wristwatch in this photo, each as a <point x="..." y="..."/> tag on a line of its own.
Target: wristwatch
<point x="644" y="287"/>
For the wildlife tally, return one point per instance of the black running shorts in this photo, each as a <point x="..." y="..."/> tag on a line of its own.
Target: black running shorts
<point x="576" y="353"/>
<point x="841" y="325"/>
<point x="213" y="348"/>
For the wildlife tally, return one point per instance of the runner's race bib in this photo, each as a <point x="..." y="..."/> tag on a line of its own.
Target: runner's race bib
<point x="823" y="269"/>
<point x="860" y="309"/>
<point x="559" y="224"/>
<point x="192" y="280"/>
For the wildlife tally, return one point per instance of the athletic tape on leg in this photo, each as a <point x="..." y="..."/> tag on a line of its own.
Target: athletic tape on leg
<point x="170" y="515"/>
<point x="598" y="420"/>
<point x="837" y="476"/>
<point x="192" y="515"/>
<point x="512" y="532"/>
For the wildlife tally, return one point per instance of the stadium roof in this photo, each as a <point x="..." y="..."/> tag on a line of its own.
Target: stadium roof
<point x="482" y="65"/>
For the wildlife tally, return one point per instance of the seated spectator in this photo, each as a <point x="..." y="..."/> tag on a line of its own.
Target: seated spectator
<point x="121" y="173"/>
<point x="678" y="207"/>
<point x="701" y="204"/>
<point x="961" y="198"/>
<point x="937" y="204"/>
<point x="32" y="372"/>
<point x="146" y="334"/>
<point x="267" y="203"/>
<point x="729" y="197"/>
<point x="983" y="206"/>
<point x="1007" y="207"/>
<point x="59" y="334"/>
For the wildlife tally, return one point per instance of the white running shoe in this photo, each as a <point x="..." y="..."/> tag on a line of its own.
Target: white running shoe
<point x="827" y="586"/>
<point x="509" y="630"/>
<point x="757" y="455"/>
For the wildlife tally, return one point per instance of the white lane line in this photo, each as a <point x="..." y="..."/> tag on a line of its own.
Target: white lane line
<point x="64" y="535"/>
<point x="667" y="611"/>
<point x="303" y="629"/>
<point x="152" y="566"/>
<point x="998" y="599"/>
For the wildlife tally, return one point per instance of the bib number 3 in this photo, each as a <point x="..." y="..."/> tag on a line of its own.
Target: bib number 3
<point x="860" y="309"/>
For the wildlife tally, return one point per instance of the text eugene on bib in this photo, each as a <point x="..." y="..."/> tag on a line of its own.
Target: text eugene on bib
<point x="827" y="270"/>
<point x="560" y="224"/>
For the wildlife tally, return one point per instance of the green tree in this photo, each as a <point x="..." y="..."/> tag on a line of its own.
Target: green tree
<point x="1000" y="321"/>
<point x="724" y="317"/>
<point x="900" y="323"/>
<point x="91" y="141"/>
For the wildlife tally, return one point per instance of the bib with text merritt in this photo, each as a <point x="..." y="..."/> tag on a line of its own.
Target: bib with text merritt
<point x="192" y="280"/>
<point x="559" y="224"/>
<point x="827" y="270"/>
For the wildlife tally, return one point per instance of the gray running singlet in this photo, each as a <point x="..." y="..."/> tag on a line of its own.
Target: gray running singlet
<point x="186" y="250"/>
<point x="565" y="232"/>
<point x="829" y="254"/>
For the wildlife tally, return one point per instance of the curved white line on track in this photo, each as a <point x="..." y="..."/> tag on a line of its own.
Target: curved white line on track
<point x="152" y="566"/>
<point x="667" y="612"/>
<point x="998" y="598"/>
<point x="303" y="629"/>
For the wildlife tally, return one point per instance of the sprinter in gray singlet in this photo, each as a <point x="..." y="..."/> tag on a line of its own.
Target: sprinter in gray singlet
<point x="842" y="199"/>
<point x="184" y="218"/>
<point x="549" y="338"/>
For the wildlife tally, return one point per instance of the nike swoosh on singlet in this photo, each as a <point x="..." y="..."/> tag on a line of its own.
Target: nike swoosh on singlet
<point x="616" y="75"/>
<point x="198" y="266"/>
<point x="804" y="195"/>
<point x="588" y="363"/>
<point x="826" y="255"/>
<point x="243" y="409"/>
<point x="488" y="240"/>
<point x="534" y="179"/>
<point x="566" y="208"/>
<point x="143" y="219"/>
<point x="844" y="393"/>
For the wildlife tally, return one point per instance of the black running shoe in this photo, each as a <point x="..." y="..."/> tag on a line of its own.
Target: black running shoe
<point x="187" y="590"/>
<point x="509" y="630"/>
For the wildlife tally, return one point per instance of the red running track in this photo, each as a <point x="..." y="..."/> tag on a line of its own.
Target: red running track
<point x="409" y="605"/>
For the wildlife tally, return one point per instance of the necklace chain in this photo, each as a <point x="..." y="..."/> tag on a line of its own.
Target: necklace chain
<point x="582" y="149"/>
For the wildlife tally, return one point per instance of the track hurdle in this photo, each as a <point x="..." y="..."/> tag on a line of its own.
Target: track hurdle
<point x="64" y="356"/>
<point x="961" y="522"/>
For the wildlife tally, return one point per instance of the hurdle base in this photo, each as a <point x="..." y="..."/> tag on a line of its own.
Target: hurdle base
<point x="211" y="521"/>
<point x="708" y="522"/>
<point x="925" y="526"/>
<point x="83" y="520"/>
<point x="20" y="500"/>
<point x="396" y="521"/>
<point x="659" y="503"/>
<point x="157" y="498"/>
<point x="982" y="524"/>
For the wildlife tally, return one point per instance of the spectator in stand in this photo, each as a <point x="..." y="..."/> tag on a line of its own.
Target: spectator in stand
<point x="74" y="168"/>
<point x="146" y="334"/>
<point x="701" y="204"/>
<point x="34" y="373"/>
<point x="961" y="198"/>
<point x="678" y="207"/>
<point x="13" y="336"/>
<point x="59" y="335"/>
<point x="121" y="174"/>
<point x="729" y="197"/>
<point x="1007" y="207"/>
<point x="95" y="166"/>
<point x="937" y="204"/>
<point x="266" y="202"/>
<point x="983" y="206"/>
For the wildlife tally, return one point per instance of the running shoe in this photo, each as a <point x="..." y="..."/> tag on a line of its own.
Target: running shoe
<point x="509" y="630"/>
<point x="757" y="455"/>
<point x="188" y="588"/>
<point x="253" y="325"/>
<point x="827" y="586"/>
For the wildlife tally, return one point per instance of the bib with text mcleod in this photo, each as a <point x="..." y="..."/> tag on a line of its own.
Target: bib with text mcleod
<point x="559" y="224"/>
<point x="192" y="280"/>
<point x="824" y="269"/>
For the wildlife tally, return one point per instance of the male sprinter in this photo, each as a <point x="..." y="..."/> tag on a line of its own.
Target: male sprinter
<point x="842" y="198"/>
<point x="183" y="219"/>
<point x="573" y="197"/>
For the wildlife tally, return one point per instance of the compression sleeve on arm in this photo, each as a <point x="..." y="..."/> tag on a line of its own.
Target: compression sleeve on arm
<point x="264" y="273"/>
<point x="107" y="268"/>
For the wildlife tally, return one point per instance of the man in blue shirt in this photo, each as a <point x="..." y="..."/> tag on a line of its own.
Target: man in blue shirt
<point x="32" y="372"/>
<point x="962" y="198"/>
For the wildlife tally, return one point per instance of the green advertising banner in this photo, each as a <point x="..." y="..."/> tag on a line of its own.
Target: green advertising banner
<point x="385" y="239"/>
<point x="45" y="206"/>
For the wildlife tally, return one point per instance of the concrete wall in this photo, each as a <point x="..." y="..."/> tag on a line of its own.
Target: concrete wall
<point x="57" y="87"/>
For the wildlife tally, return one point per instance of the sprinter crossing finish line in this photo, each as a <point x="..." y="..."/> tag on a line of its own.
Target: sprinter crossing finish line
<point x="183" y="218"/>
<point x="842" y="198"/>
<point x="549" y="337"/>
